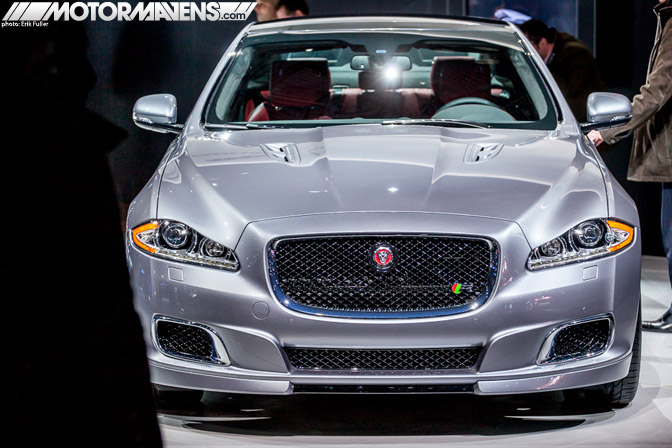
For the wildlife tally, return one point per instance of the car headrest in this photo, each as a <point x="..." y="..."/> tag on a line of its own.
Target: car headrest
<point x="455" y="77"/>
<point x="300" y="82"/>
<point x="378" y="80"/>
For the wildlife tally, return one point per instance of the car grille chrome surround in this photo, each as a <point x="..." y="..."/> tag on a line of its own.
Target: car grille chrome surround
<point x="577" y="340"/>
<point x="458" y="358"/>
<point x="188" y="340"/>
<point x="336" y="275"/>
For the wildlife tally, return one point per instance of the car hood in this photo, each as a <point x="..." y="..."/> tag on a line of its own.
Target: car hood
<point x="221" y="181"/>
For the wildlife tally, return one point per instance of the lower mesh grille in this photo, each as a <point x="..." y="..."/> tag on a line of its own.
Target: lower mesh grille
<point x="341" y="359"/>
<point x="383" y="389"/>
<point x="184" y="340"/>
<point x="581" y="340"/>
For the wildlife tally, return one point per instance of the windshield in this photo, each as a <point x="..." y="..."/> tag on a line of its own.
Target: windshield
<point x="309" y="80"/>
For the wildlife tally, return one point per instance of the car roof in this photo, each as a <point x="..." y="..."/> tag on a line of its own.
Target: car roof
<point x="439" y="26"/>
<point x="388" y="20"/>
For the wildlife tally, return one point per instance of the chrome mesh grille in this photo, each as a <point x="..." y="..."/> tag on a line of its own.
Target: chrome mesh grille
<point x="338" y="274"/>
<point x="184" y="340"/>
<point x="581" y="339"/>
<point x="388" y="359"/>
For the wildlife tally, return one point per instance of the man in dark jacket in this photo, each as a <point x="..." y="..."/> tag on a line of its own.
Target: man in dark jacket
<point x="651" y="156"/>
<point x="570" y="62"/>
<point x="79" y="373"/>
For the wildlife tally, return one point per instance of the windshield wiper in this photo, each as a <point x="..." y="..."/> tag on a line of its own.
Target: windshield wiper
<point x="446" y="122"/>
<point x="242" y="126"/>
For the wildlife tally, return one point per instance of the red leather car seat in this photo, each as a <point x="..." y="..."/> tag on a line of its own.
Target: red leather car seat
<point x="299" y="90"/>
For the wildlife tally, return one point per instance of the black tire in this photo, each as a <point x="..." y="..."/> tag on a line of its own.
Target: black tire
<point x="177" y="397"/>
<point x="620" y="393"/>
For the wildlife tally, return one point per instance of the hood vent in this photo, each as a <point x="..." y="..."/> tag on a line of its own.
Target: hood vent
<point x="282" y="152"/>
<point x="482" y="152"/>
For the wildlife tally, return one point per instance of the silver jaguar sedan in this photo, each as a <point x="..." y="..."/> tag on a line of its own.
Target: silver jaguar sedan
<point x="386" y="205"/>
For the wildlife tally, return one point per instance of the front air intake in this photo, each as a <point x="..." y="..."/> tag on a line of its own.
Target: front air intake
<point x="457" y="358"/>
<point x="189" y="341"/>
<point x="578" y="340"/>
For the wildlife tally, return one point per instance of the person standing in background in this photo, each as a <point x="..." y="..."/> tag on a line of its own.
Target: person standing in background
<point x="287" y="9"/>
<point x="570" y="62"/>
<point x="651" y="156"/>
<point x="79" y="373"/>
<point x="266" y="10"/>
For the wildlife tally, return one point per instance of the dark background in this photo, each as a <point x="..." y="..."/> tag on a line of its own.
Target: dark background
<point x="133" y="59"/>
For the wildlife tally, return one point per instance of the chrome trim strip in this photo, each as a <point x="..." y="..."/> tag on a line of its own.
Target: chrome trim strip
<point x="164" y="128"/>
<point x="260" y="32"/>
<point x="473" y="305"/>
<point x="546" y="352"/>
<point x="606" y="124"/>
<point x="219" y="357"/>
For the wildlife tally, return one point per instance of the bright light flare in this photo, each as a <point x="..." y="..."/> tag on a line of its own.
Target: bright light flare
<point x="392" y="73"/>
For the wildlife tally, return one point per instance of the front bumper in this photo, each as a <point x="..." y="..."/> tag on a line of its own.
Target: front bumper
<point x="233" y="381"/>
<point x="511" y="326"/>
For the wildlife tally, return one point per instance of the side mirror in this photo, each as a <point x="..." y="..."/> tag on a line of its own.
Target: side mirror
<point x="157" y="113"/>
<point x="606" y="110"/>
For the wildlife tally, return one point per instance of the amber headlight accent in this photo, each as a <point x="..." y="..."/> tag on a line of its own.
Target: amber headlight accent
<point x="177" y="241"/>
<point x="591" y="239"/>
<point x="145" y="234"/>
<point x="624" y="234"/>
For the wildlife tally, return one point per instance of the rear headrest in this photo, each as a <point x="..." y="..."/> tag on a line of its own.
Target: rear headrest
<point x="300" y="82"/>
<point x="378" y="80"/>
<point x="455" y="77"/>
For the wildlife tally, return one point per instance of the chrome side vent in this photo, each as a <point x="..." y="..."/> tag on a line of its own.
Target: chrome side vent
<point x="282" y="152"/>
<point x="481" y="152"/>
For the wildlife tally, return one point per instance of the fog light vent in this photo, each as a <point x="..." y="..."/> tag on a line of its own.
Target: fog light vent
<point x="189" y="341"/>
<point x="578" y="340"/>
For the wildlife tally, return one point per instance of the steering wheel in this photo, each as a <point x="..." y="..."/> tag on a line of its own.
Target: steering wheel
<point x="468" y="100"/>
<point x="471" y="107"/>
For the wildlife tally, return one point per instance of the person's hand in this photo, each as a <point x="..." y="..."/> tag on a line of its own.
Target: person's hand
<point x="595" y="137"/>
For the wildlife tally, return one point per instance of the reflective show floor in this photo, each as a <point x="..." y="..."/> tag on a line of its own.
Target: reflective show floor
<point x="445" y="420"/>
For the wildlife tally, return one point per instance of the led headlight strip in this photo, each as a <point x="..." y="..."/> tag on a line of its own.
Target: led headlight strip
<point x="177" y="241"/>
<point x="591" y="239"/>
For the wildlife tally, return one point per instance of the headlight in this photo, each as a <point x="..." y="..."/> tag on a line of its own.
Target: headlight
<point x="590" y="239"/>
<point x="179" y="242"/>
